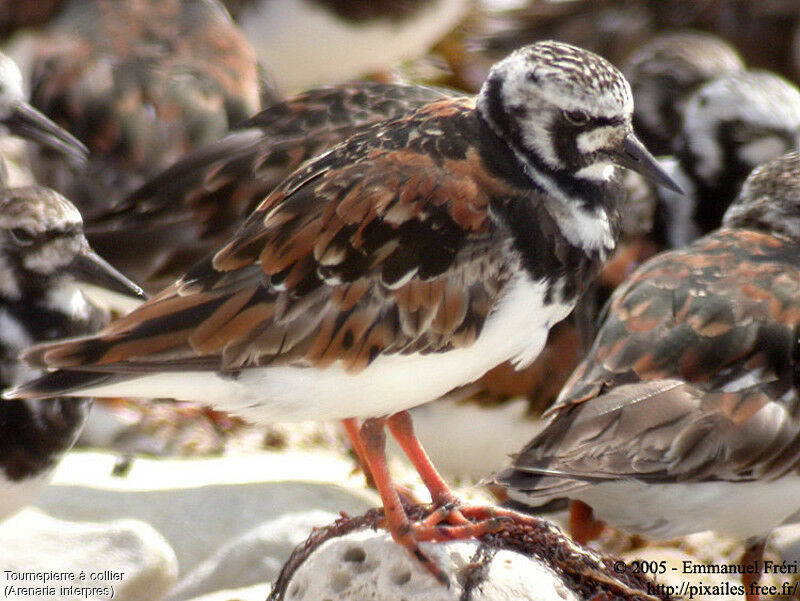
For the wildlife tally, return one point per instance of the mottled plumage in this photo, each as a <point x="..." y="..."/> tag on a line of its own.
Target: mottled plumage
<point x="408" y="260"/>
<point x="140" y="83"/>
<point x="42" y="253"/>
<point x="384" y="245"/>
<point x="684" y="416"/>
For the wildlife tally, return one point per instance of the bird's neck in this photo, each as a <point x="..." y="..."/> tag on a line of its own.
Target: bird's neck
<point x="51" y="307"/>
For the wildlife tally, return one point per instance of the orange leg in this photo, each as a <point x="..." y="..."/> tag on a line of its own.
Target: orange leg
<point x="374" y="442"/>
<point x="404" y="532"/>
<point x="402" y="429"/>
<point x="351" y="428"/>
<point x="582" y="525"/>
<point x="752" y="556"/>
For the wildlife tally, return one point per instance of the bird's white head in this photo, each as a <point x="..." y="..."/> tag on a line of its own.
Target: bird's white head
<point x="564" y="109"/>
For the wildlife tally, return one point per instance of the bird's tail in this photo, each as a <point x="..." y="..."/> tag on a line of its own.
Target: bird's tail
<point x="62" y="382"/>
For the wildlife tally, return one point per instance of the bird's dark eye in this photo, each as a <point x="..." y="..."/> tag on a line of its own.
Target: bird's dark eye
<point x="576" y="117"/>
<point x="22" y="236"/>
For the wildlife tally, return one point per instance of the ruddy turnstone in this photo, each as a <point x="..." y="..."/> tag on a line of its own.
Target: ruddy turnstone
<point x="684" y="415"/>
<point x="401" y="264"/>
<point x="43" y="259"/>
<point x="305" y="43"/>
<point x="160" y="230"/>
<point x="21" y="119"/>
<point x="141" y="83"/>
<point x="664" y="72"/>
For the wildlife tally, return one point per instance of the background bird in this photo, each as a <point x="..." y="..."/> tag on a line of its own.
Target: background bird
<point x="140" y="83"/>
<point x="350" y="39"/>
<point x="43" y="259"/>
<point x="663" y="74"/>
<point x="688" y="400"/>
<point x="19" y="118"/>
<point x="731" y="125"/>
<point x="405" y="262"/>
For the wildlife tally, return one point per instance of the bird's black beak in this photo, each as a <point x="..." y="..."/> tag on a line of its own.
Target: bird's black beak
<point x="90" y="268"/>
<point x="25" y="121"/>
<point x="633" y="155"/>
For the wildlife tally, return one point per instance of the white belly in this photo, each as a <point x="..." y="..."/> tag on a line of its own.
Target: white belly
<point x="516" y="329"/>
<point x="741" y="509"/>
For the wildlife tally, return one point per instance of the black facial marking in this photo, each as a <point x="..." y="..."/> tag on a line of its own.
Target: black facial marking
<point x="714" y="197"/>
<point x="500" y="158"/>
<point x="33" y="437"/>
<point x="33" y="442"/>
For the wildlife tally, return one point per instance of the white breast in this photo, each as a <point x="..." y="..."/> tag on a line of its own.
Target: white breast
<point x="516" y="329"/>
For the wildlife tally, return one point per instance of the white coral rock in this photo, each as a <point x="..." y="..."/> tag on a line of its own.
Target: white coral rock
<point x="125" y="555"/>
<point x="368" y="566"/>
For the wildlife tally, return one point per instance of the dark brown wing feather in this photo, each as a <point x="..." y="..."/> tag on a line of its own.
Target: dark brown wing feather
<point x="381" y="246"/>
<point x="195" y="205"/>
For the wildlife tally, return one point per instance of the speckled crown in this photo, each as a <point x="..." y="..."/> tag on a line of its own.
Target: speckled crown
<point x="37" y="209"/>
<point x="569" y="75"/>
<point x="770" y="198"/>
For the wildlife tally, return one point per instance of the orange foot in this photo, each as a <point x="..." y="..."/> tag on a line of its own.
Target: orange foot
<point x="583" y="527"/>
<point x="451" y="520"/>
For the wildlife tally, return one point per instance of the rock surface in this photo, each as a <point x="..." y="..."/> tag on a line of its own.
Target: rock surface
<point x="524" y="558"/>
<point x="369" y="565"/>
<point x="46" y="558"/>
<point x="199" y="505"/>
<point x="255" y="557"/>
<point x="213" y="526"/>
